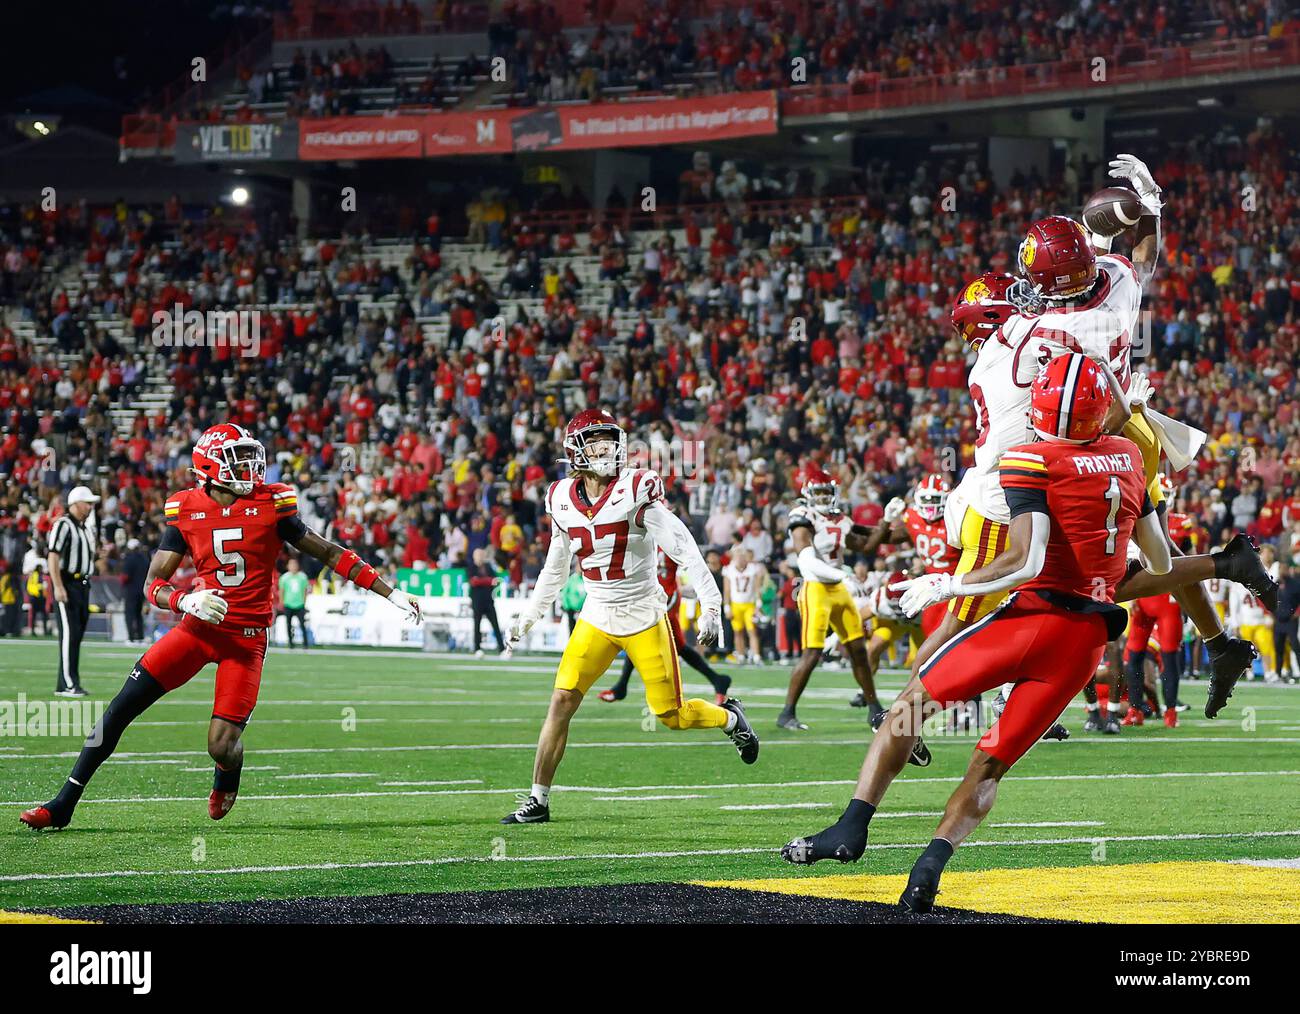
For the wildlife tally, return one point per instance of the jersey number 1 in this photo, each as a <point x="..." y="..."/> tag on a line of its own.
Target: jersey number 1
<point x="1112" y="530"/>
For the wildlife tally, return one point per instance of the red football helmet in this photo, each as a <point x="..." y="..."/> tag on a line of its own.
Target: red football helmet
<point x="1070" y="399"/>
<point x="886" y="603"/>
<point x="1168" y="489"/>
<point x="820" y="490"/>
<point x="931" y="497"/>
<point x="230" y="457"/>
<point x="1057" y="258"/>
<point x="587" y="429"/>
<point x="983" y="306"/>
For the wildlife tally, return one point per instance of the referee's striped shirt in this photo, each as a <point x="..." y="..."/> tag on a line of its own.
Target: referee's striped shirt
<point x="75" y="544"/>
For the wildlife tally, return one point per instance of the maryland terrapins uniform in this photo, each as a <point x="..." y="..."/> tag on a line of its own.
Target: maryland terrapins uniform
<point x="234" y="550"/>
<point x="615" y="542"/>
<point x="825" y="604"/>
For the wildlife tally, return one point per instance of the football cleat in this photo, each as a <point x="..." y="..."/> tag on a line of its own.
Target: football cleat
<point x="1134" y="717"/>
<point x="787" y="720"/>
<point x="859" y="700"/>
<point x="1057" y="732"/>
<point x="742" y="733"/>
<point x="833" y="843"/>
<point x="530" y="811"/>
<point x="39" y="818"/>
<point x="1226" y="668"/>
<point x="1171" y="718"/>
<point x="920" y="755"/>
<point x="1240" y="562"/>
<point x="921" y="890"/>
<point x="1094" y="722"/>
<point x="1111" y="726"/>
<point x="221" y="803"/>
<point x="609" y="696"/>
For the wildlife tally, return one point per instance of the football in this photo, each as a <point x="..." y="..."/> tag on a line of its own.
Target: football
<point x="1111" y="211"/>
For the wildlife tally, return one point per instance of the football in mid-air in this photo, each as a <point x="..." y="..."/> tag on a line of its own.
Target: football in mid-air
<point x="1111" y="211"/>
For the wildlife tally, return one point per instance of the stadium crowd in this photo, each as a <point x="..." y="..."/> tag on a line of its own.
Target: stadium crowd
<point x="670" y="45"/>
<point x="762" y="341"/>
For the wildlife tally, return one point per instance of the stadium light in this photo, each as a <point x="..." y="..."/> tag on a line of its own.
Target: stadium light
<point x="239" y="196"/>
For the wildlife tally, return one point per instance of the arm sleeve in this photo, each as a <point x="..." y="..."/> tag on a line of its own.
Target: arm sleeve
<point x="1150" y="536"/>
<point x="674" y="538"/>
<point x="290" y="528"/>
<point x="554" y="575"/>
<point x="814" y="568"/>
<point x="1027" y="571"/>
<point x="172" y="541"/>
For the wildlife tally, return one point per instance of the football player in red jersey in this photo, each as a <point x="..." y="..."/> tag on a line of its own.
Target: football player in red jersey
<point x="922" y="525"/>
<point x="1076" y="497"/>
<point x="233" y="525"/>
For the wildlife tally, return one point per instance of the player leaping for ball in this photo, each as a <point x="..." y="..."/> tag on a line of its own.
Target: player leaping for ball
<point x="1075" y="498"/>
<point x="233" y="525"/>
<point x="1072" y="300"/>
<point x="614" y="518"/>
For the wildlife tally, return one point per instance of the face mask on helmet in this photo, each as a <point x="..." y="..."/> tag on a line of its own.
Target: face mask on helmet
<point x="243" y="466"/>
<point x="822" y="496"/>
<point x="929" y="503"/>
<point x="601" y="450"/>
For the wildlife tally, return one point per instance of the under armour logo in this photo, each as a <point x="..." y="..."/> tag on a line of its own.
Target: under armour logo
<point x="250" y="510"/>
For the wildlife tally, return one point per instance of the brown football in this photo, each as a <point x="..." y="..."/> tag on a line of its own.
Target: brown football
<point x="1111" y="211"/>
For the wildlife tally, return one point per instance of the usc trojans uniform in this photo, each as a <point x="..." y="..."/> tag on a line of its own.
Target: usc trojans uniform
<point x="823" y="601"/>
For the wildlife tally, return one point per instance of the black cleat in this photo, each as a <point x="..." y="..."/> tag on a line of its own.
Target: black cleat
<point x="920" y="755"/>
<point x="1093" y="722"/>
<point x="742" y="733"/>
<point x="1111" y="726"/>
<point x="833" y="843"/>
<point x="859" y="700"/>
<point x="1226" y="668"/>
<point x="1239" y="561"/>
<point x="921" y="890"/>
<point x="530" y="812"/>
<point x="1057" y="732"/>
<point x="787" y="720"/>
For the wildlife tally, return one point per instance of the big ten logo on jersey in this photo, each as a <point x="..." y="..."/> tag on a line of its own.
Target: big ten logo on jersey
<point x="683" y="460"/>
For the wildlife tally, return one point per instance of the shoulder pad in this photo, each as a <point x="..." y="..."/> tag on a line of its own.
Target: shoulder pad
<point x="646" y="486"/>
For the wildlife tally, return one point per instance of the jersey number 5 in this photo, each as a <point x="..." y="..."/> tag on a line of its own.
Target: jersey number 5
<point x="235" y="576"/>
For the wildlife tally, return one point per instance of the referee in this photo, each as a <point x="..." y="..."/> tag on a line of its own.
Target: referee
<point x="72" y="560"/>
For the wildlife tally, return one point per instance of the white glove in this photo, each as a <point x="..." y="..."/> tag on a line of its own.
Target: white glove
<point x="920" y="593"/>
<point x="1139" y="391"/>
<point x="1133" y="169"/>
<point x="726" y="610"/>
<point x="518" y="630"/>
<point x="205" y="605"/>
<point x="407" y="604"/>
<point x="709" y="628"/>
<point x="894" y="510"/>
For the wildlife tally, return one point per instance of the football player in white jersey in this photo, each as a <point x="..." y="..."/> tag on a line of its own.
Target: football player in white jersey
<point x="821" y="532"/>
<point x="742" y="582"/>
<point x="614" y="518"/>
<point x="1069" y="299"/>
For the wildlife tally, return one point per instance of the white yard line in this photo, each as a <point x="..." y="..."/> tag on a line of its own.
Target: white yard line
<point x="644" y="799"/>
<point x="618" y="856"/>
<point x="1053" y="823"/>
<point x="609" y="789"/>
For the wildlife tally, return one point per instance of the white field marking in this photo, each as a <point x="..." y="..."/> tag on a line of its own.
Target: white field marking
<point x="1052" y="823"/>
<point x="662" y="788"/>
<point x="643" y="799"/>
<point x="333" y="774"/>
<point x="160" y="761"/>
<point x="779" y="806"/>
<point x="1279" y="864"/>
<point x="446" y="781"/>
<point x="247" y="767"/>
<point x="607" y="856"/>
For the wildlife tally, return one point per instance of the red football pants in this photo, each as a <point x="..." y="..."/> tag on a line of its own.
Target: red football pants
<point x="191" y="644"/>
<point x="1048" y="652"/>
<point x="1160" y="613"/>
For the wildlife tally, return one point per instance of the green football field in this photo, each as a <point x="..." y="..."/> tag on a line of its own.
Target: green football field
<point x="371" y="772"/>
